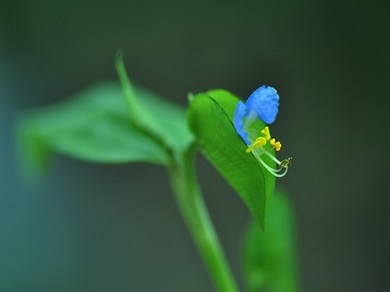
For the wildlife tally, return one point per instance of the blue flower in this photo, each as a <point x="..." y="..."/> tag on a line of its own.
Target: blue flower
<point x="238" y="121"/>
<point x="264" y="101"/>
<point x="262" y="104"/>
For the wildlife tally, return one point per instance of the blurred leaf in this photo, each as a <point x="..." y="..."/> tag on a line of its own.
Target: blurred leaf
<point x="162" y="120"/>
<point x="210" y="118"/>
<point x="269" y="259"/>
<point x="95" y="126"/>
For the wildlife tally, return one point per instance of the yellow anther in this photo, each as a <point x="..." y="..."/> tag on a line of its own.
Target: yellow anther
<point x="249" y="149"/>
<point x="276" y="145"/>
<point x="259" y="142"/>
<point x="266" y="133"/>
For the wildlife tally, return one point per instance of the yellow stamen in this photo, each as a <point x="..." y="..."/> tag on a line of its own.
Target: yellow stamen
<point x="259" y="142"/>
<point x="266" y="133"/>
<point x="276" y="145"/>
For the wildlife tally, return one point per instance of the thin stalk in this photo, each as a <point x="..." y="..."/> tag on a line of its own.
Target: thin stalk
<point x="194" y="212"/>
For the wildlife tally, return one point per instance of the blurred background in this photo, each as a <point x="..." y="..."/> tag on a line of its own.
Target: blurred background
<point x="91" y="227"/>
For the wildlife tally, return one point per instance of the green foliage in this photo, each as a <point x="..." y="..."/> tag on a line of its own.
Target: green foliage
<point x="156" y="117"/>
<point x="95" y="125"/>
<point x="269" y="259"/>
<point x="210" y="117"/>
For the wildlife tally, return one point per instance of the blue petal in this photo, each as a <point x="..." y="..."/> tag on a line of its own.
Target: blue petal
<point x="238" y="120"/>
<point x="264" y="101"/>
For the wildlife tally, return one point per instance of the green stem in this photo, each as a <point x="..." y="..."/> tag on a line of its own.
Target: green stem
<point x="193" y="209"/>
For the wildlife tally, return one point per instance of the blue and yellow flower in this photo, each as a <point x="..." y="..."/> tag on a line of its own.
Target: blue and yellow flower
<point x="262" y="105"/>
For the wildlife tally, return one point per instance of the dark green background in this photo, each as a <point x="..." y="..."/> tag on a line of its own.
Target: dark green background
<point x="116" y="228"/>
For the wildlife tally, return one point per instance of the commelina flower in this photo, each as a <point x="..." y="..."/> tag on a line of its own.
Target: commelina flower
<point x="263" y="105"/>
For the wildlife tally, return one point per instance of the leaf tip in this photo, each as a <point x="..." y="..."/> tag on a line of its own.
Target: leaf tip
<point x="33" y="155"/>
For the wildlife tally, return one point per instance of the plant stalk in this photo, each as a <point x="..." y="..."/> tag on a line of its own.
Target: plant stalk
<point x="195" y="214"/>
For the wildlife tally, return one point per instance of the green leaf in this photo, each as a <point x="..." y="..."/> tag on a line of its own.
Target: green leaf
<point x="269" y="259"/>
<point x="94" y="125"/>
<point x="167" y="120"/>
<point x="162" y="120"/>
<point x="210" y="118"/>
